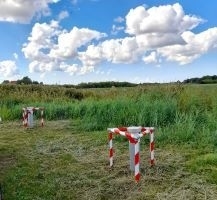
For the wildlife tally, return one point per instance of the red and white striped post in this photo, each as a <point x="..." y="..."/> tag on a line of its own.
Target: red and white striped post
<point x="137" y="161"/>
<point x="28" y="116"/>
<point x="42" y="117"/>
<point x="25" y="115"/>
<point x="134" y="145"/>
<point x="110" y="150"/>
<point x="152" y="147"/>
<point x="133" y="134"/>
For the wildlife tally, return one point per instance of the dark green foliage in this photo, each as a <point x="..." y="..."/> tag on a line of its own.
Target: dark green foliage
<point x="154" y="105"/>
<point x="202" y="80"/>
<point x="25" y="80"/>
<point x="107" y="84"/>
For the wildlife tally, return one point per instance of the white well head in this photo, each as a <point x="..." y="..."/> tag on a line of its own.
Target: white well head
<point x="30" y="108"/>
<point x="134" y="129"/>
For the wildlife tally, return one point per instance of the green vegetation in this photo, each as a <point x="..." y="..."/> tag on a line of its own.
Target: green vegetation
<point x="68" y="158"/>
<point x="108" y="84"/>
<point x="24" y="81"/>
<point x="202" y="80"/>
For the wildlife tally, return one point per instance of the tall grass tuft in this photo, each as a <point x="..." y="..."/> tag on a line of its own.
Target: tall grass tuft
<point x="128" y="112"/>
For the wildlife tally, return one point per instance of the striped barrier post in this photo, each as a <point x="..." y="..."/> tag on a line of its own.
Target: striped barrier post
<point x="110" y="150"/>
<point x="25" y="117"/>
<point x="42" y="117"/>
<point x="28" y="116"/>
<point x="137" y="162"/>
<point x="152" y="147"/>
<point x="133" y="134"/>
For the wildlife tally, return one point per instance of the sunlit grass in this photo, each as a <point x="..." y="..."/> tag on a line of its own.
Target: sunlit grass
<point x="59" y="161"/>
<point x="68" y="159"/>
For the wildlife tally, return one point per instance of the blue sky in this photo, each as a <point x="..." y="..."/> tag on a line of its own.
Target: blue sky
<point x="74" y="41"/>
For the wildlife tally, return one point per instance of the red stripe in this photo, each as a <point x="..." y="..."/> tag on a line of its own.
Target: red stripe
<point x="122" y="128"/>
<point x="137" y="177"/>
<point x="136" y="159"/>
<point x="152" y="146"/>
<point x="111" y="152"/>
<point x="143" y="129"/>
<point x="132" y="140"/>
<point x="110" y="136"/>
<point x="152" y="162"/>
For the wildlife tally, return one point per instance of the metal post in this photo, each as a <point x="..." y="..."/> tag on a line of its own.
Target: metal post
<point x="30" y="116"/>
<point x="152" y="147"/>
<point x="132" y="154"/>
<point x="110" y="149"/>
<point x="135" y="131"/>
<point x="137" y="162"/>
<point x="42" y="117"/>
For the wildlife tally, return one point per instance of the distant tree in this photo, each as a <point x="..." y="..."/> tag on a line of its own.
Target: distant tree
<point x="107" y="84"/>
<point x="25" y="80"/>
<point x="203" y="80"/>
<point x="5" y="82"/>
<point x="35" y="82"/>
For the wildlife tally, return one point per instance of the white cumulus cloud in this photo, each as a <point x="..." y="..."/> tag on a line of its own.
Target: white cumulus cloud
<point x="69" y="42"/>
<point x="8" y="69"/>
<point x="22" y="11"/>
<point x="196" y="45"/>
<point x="151" y="58"/>
<point x="152" y="35"/>
<point x="50" y="48"/>
<point x="162" y="19"/>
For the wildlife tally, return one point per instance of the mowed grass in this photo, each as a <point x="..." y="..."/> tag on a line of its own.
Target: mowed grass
<point x="68" y="158"/>
<point x="59" y="161"/>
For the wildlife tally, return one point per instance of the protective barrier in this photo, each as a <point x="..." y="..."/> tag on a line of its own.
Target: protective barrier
<point x="28" y="120"/>
<point x="133" y="134"/>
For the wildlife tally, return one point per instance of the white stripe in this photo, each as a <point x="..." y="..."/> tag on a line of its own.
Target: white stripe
<point x="136" y="169"/>
<point x="113" y="130"/>
<point x="136" y="148"/>
<point x="111" y="161"/>
<point x="152" y="155"/>
<point x="151" y="137"/>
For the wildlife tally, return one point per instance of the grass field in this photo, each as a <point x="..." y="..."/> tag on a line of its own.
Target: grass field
<point x="60" y="162"/>
<point x="68" y="157"/>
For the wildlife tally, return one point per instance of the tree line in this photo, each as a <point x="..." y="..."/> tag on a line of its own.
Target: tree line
<point x="24" y="81"/>
<point x="27" y="81"/>
<point x="203" y="80"/>
<point x="108" y="84"/>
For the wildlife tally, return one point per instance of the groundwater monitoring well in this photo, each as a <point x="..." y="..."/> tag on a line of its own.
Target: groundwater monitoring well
<point x="28" y="120"/>
<point x="133" y="134"/>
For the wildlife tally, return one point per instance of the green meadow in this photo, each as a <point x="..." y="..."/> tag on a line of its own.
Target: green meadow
<point x="68" y="157"/>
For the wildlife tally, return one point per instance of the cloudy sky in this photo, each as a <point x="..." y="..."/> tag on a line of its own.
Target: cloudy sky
<point x="74" y="41"/>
